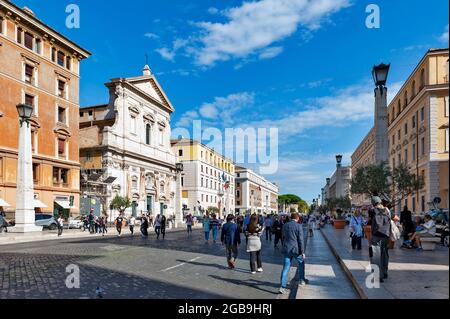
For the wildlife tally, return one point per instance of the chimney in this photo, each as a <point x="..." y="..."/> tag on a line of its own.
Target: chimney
<point x="147" y="71"/>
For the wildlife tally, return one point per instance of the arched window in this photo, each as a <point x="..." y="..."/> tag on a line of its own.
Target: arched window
<point x="148" y="134"/>
<point x="399" y="107"/>
<point x="413" y="89"/>
<point x="405" y="99"/>
<point x="422" y="78"/>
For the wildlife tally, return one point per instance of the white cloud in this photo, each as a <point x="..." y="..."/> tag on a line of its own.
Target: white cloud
<point x="186" y="119"/>
<point x="270" y="53"/>
<point x="169" y="54"/>
<point x="254" y="26"/>
<point x="151" y="35"/>
<point x="444" y="37"/>
<point x="350" y="105"/>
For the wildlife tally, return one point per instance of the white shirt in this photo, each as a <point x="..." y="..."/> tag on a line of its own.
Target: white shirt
<point x="132" y="221"/>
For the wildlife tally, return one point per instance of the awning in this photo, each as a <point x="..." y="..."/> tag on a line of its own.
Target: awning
<point x="39" y="204"/>
<point x="64" y="204"/>
<point x="4" y="203"/>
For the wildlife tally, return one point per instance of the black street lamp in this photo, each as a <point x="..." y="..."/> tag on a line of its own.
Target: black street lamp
<point x="380" y="74"/>
<point x="25" y="112"/>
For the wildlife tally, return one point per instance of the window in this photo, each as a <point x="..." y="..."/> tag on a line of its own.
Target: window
<point x="405" y="99"/>
<point x="36" y="173"/>
<point x="81" y="114"/>
<point x="393" y="141"/>
<point x="446" y="108"/>
<point x="61" y="148"/>
<point x="29" y="74"/>
<point x="61" y="58"/>
<point x="406" y="129"/>
<point x="399" y="107"/>
<point x="162" y="189"/>
<point x="202" y="197"/>
<point x="422" y="78"/>
<point x="207" y="197"/>
<point x="61" y="115"/>
<point x="38" y="46"/>
<point x="393" y="162"/>
<point x="423" y="203"/>
<point x="201" y="168"/>
<point x="182" y="181"/>
<point x="28" y="40"/>
<point x="19" y="35"/>
<point x="68" y="63"/>
<point x="414" y="121"/>
<point x="238" y="193"/>
<point x="406" y="156"/>
<point x="413" y="204"/>
<point x="413" y="89"/>
<point x="29" y="99"/>
<point x="422" y="114"/>
<point x="446" y="139"/>
<point x="414" y="152"/>
<point x="399" y="158"/>
<point x="60" y="176"/>
<point x="1" y="24"/>
<point x="148" y="134"/>
<point x="134" y="182"/>
<point x="423" y="145"/>
<point x="90" y="113"/>
<point x="53" y="54"/>
<point x="88" y="156"/>
<point x="201" y="182"/>
<point x="399" y="135"/>
<point x="61" y="88"/>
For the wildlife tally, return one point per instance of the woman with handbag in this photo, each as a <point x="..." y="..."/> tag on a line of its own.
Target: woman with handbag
<point x="253" y="233"/>
<point x="356" y="228"/>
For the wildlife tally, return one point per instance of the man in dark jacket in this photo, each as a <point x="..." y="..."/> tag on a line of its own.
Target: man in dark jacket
<point x="293" y="248"/>
<point x="276" y="229"/>
<point x="231" y="238"/>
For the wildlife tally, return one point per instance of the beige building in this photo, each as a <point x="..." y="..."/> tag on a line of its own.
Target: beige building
<point x="204" y="177"/>
<point x="40" y="67"/>
<point x="254" y="193"/>
<point x="418" y="129"/>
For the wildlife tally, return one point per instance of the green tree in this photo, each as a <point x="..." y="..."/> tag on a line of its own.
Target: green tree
<point x="371" y="180"/>
<point x="120" y="203"/>
<point x="288" y="199"/>
<point x="404" y="183"/>
<point x="213" y="210"/>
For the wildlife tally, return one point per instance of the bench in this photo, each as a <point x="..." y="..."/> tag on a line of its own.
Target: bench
<point x="429" y="243"/>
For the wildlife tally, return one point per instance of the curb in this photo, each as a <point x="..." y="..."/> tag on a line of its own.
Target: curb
<point x="69" y="236"/>
<point x="360" y="291"/>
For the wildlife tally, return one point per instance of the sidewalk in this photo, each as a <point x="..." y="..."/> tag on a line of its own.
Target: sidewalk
<point x="412" y="274"/>
<point x="16" y="238"/>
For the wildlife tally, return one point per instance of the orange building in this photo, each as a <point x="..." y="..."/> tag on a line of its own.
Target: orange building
<point x="40" y="67"/>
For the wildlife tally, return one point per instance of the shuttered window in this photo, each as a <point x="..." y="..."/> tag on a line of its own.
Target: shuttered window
<point x="61" y="58"/>
<point x="29" y="99"/>
<point x="29" y="70"/>
<point x="28" y="41"/>
<point x="61" y="147"/>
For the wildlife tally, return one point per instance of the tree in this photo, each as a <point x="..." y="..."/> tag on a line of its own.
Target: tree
<point x="371" y="180"/>
<point x="213" y="210"/>
<point x="288" y="199"/>
<point x="303" y="207"/>
<point x="120" y="203"/>
<point x="404" y="183"/>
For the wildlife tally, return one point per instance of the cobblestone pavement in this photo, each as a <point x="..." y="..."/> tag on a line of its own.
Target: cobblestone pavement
<point x="133" y="267"/>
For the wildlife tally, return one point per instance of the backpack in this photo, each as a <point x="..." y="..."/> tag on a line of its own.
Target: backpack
<point x="381" y="222"/>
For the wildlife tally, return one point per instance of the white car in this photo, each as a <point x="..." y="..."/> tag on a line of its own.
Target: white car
<point x="75" y="223"/>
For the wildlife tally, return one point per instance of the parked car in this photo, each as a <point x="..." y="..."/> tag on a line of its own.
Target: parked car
<point x="46" y="221"/>
<point x="76" y="223"/>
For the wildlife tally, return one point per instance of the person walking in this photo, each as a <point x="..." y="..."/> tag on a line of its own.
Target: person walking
<point x="189" y="224"/>
<point x="91" y="219"/>
<point x="158" y="226"/>
<point x="60" y="222"/>
<point x="356" y="229"/>
<point x="293" y="248"/>
<point x="206" y="227"/>
<point x="144" y="226"/>
<point x="119" y="222"/>
<point x="268" y="227"/>
<point x="231" y="238"/>
<point x="381" y="230"/>
<point x="131" y="224"/>
<point x="311" y="225"/>
<point x="163" y="226"/>
<point x="276" y="229"/>
<point x="253" y="234"/>
<point x="215" y="224"/>
<point x="3" y="222"/>
<point x="102" y="225"/>
<point x="245" y="225"/>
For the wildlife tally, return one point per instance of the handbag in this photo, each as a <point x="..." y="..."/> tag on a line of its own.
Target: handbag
<point x="395" y="232"/>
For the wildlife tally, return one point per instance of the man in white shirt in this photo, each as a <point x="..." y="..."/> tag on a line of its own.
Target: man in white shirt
<point x="428" y="230"/>
<point x="132" y="223"/>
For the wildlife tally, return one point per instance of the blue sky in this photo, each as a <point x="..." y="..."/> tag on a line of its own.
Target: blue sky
<point x="302" y="66"/>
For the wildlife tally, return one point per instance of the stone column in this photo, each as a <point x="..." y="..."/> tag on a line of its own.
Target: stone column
<point x="25" y="215"/>
<point x="178" y="205"/>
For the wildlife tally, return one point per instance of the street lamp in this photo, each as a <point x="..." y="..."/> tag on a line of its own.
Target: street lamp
<point x="380" y="74"/>
<point x="25" y="215"/>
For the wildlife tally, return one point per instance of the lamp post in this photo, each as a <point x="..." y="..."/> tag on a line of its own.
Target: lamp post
<point x="178" y="205"/>
<point x="25" y="215"/>
<point x="380" y="74"/>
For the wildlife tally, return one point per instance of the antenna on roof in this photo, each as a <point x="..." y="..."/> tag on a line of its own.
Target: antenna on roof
<point x="146" y="59"/>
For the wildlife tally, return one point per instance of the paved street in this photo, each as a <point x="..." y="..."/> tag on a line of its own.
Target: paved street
<point x="131" y="267"/>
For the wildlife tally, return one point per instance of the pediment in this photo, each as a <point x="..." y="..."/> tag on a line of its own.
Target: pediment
<point x="62" y="132"/>
<point x="151" y="87"/>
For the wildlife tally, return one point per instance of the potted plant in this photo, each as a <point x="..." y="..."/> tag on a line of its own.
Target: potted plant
<point x="339" y="219"/>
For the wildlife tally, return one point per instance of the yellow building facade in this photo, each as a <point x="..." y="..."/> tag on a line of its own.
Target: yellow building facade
<point x="418" y="119"/>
